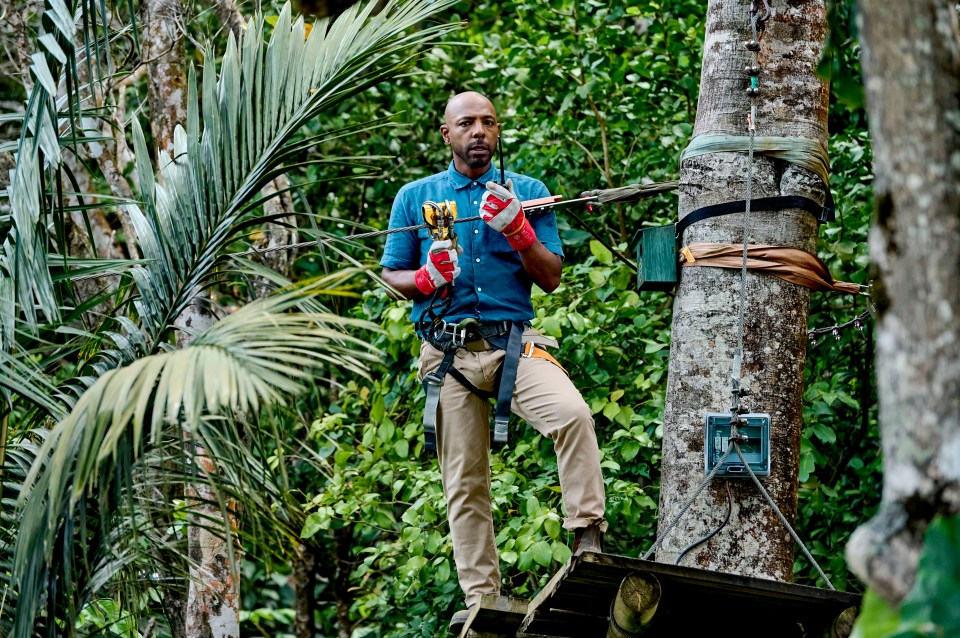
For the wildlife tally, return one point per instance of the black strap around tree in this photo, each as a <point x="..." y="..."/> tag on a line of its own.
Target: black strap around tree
<point x="823" y="213"/>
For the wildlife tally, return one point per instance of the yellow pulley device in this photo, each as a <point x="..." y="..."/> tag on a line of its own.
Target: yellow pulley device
<point x="439" y="218"/>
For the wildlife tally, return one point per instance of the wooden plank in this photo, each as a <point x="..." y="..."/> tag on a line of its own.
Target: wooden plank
<point x="495" y="616"/>
<point x="693" y="599"/>
<point x="561" y="623"/>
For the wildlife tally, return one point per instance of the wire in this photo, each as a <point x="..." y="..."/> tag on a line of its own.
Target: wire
<point x="686" y="506"/>
<point x="783" y="519"/>
<point x="703" y="540"/>
<point x="857" y="322"/>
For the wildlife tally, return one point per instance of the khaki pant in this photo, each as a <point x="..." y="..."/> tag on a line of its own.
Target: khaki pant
<point x="546" y="399"/>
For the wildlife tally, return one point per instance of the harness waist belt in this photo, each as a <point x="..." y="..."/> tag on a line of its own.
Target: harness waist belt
<point x="446" y="335"/>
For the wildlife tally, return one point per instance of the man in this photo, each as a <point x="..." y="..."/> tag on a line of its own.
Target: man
<point x="467" y="307"/>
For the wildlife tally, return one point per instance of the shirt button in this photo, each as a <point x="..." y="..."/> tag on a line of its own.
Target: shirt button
<point x="474" y="201"/>
<point x="478" y="260"/>
<point x="479" y="289"/>
<point x="476" y="231"/>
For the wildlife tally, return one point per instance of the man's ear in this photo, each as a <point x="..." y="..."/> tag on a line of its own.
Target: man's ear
<point x="445" y="132"/>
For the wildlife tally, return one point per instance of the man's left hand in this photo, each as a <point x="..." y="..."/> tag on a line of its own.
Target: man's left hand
<point x="502" y="211"/>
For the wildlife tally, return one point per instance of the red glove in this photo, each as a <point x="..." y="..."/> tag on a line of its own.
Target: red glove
<point x="502" y="211"/>
<point x="441" y="267"/>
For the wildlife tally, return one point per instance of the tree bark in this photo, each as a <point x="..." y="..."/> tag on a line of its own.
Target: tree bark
<point x="792" y="103"/>
<point x="213" y="599"/>
<point x="343" y="540"/>
<point x="304" y="582"/>
<point x="911" y="66"/>
<point x="277" y="234"/>
<point x="163" y="51"/>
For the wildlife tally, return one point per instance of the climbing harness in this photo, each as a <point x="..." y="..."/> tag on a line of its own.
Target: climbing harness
<point x="469" y="333"/>
<point x="475" y="336"/>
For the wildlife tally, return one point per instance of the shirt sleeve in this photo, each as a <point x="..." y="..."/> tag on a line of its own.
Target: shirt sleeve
<point x="402" y="250"/>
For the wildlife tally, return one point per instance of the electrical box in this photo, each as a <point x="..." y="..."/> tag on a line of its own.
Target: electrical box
<point x="657" y="261"/>
<point x="756" y="449"/>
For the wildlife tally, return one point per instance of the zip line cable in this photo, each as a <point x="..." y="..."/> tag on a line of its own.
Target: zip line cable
<point x="632" y="192"/>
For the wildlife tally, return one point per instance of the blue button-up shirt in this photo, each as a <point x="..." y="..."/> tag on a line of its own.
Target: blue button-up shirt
<point x="492" y="286"/>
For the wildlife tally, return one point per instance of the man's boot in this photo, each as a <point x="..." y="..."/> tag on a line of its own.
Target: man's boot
<point x="588" y="539"/>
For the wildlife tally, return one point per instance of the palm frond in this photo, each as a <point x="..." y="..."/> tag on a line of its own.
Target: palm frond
<point x="251" y="357"/>
<point x="23" y="258"/>
<point x="20" y="376"/>
<point x="236" y="135"/>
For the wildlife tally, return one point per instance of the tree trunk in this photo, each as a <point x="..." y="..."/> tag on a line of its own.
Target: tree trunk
<point x="277" y="234"/>
<point x="304" y="582"/>
<point x="343" y="539"/>
<point x="164" y="54"/>
<point x="212" y="608"/>
<point x="911" y="66"/>
<point x="792" y="103"/>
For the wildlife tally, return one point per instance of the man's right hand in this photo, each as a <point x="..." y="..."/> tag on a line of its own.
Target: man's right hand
<point x="441" y="267"/>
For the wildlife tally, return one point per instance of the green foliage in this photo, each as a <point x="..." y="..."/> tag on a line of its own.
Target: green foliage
<point x="840" y="463"/>
<point x="932" y="608"/>
<point x="591" y="94"/>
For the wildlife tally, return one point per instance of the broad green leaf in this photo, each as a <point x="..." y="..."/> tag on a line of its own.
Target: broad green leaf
<point x="542" y="553"/>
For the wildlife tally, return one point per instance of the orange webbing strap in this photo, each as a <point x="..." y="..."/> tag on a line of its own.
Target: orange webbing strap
<point x="530" y="349"/>
<point x="792" y="264"/>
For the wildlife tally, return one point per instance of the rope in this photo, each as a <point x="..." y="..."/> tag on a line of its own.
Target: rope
<point x="689" y="502"/>
<point x="783" y="519"/>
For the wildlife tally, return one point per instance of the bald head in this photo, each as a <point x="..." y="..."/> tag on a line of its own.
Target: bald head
<point x="471" y="130"/>
<point x="468" y="101"/>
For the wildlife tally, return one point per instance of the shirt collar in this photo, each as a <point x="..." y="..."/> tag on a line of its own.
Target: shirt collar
<point x="460" y="180"/>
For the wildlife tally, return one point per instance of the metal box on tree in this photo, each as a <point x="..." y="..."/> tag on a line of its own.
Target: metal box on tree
<point x="755" y="449"/>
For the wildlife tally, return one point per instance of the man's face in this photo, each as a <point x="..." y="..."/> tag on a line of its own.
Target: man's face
<point x="471" y="129"/>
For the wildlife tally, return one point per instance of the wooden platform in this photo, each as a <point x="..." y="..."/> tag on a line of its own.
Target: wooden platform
<point x="576" y="604"/>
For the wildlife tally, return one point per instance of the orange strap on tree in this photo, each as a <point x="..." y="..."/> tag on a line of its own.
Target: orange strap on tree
<point x="794" y="265"/>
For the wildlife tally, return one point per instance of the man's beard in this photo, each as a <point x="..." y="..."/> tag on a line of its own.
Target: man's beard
<point x="473" y="162"/>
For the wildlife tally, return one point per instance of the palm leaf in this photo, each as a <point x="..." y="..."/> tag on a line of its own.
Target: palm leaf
<point x="252" y="357"/>
<point x="264" y="94"/>
<point x="189" y="211"/>
<point x="23" y="258"/>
